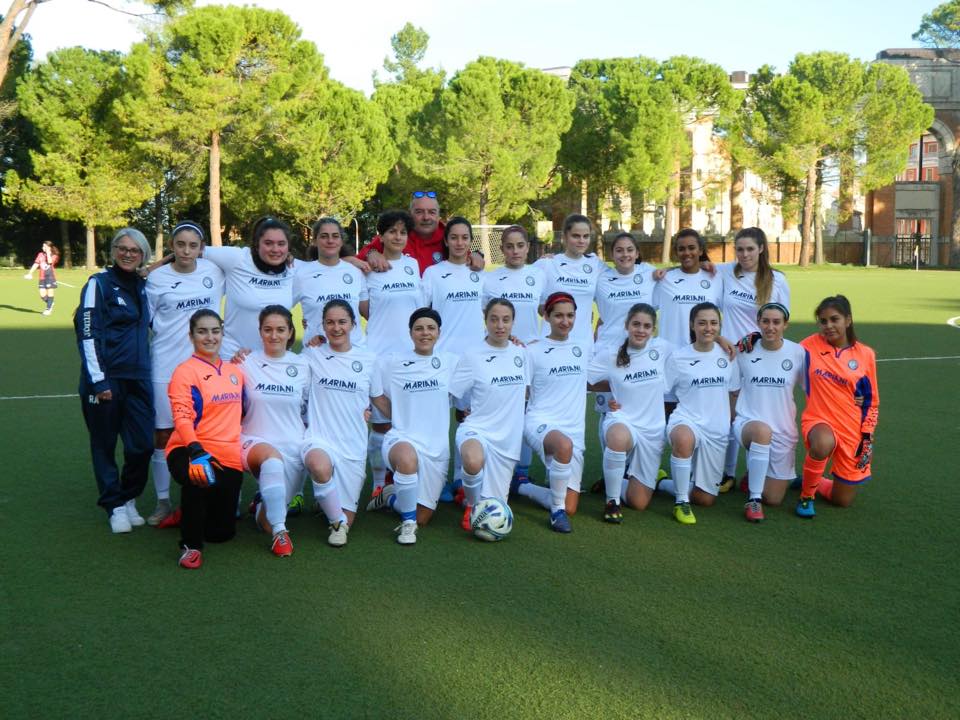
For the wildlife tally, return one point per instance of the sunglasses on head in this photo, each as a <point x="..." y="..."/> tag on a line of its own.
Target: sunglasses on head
<point x="424" y="193"/>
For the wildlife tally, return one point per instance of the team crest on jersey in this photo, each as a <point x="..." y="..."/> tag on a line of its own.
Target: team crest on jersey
<point x="437" y="257"/>
<point x="577" y="352"/>
<point x="853" y="364"/>
<point x="705" y="284"/>
<point x="247" y="444"/>
<point x="638" y="279"/>
<point x="347" y="279"/>
<point x="208" y="283"/>
<point x="541" y="428"/>
<point x="233" y="379"/>
<point x="654" y="355"/>
<point x="530" y="281"/>
<point x="587" y="268"/>
<point x="722" y="362"/>
<point x="292" y="370"/>
<point x="787" y="365"/>
<point x="601" y="400"/>
<point x="356" y="365"/>
<point x="518" y="361"/>
<point x="474" y="277"/>
<point x="435" y="362"/>
<point x="408" y="270"/>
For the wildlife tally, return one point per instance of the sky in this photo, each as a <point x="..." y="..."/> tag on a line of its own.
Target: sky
<point x="354" y="35"/>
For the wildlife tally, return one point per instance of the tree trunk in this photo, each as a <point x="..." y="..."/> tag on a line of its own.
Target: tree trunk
<point x="91" y="247"/>
<point x="9" y="37"/>
<point x="668" y="228"/>
<point x="806" y="234"/>
<point x="484" y="231"/>
<point x="737" y="186"/>
<point x="584" y="192"/>
<point x="955" y="224"/>
<point x="65" y="245"/>
<point x="818" y="219"/>
<point x="158" y="225"/>
<point x="845" y="195"/>
<point x="215" y="238"/>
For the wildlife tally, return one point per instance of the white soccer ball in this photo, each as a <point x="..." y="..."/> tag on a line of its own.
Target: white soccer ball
<point x="491" y="519"/>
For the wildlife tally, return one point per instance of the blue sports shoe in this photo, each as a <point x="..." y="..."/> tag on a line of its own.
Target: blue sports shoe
<point x="517" y="480"/>
<point x="560" y="522"/>
<point x="805" y="508"/>
<point x="446" y="495"/>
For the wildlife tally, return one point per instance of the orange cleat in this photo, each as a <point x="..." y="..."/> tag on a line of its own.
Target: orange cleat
<point x="282" y="547"/>
<point x="465" y="523"/>
<point x="191" y="559"/>
<point x="171" y="521"/>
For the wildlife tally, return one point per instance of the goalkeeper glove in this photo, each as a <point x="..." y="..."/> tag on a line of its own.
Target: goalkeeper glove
<point x="746" y="343"/>
<point x="203" y="466"/>
<point x="864" y="450"/>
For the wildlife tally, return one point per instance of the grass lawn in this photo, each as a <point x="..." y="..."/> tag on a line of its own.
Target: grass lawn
<point x="855" y="614"/>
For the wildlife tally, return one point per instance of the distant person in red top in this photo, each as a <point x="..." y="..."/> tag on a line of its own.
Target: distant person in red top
<point x="424" y="243"/>
<point x="842" y="408"/>
<point x="45" y="261"/>
<point x="203" y="452"/>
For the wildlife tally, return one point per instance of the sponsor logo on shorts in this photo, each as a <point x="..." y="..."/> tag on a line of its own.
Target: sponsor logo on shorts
<point x="577" y="352"/>
<point x="292" y="370"/>
<point x="654" y="355"/>
<point x="601" y="400"/>
<point x="722" y="362"/>
<point x="518" y="361"/>
<point x="787" y="365"/>
<point x="233" y="379"/>
<point x="435" y="362"/>
<point x="347" y="279"/>
<point x="408" y="270"/>
<point x="247" y="444"/>
<point x="705" y="284"/>
<point x="530" y="281"/>
<point x="853" y="364"/>
<point x="357" y="366"/>
<point x="208" y="282"/>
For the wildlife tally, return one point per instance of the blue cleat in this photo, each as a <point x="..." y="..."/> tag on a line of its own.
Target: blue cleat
<point x="805" y="508"/>
<point x="560" y="522"/>
<point x="446" y="495"/>
<point x="517" y="480"/>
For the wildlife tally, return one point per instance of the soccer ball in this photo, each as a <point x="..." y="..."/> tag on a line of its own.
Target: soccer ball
<point x="491" y="519"/>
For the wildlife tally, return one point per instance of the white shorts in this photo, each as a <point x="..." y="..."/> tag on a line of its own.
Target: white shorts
<point x="533" y="435"/>
<point x="497" y="468"/>
<point x="162" y="411"/>
<point x="709" y="455"/>
<point x="349" y="475"/>
<point x="289" y="455"/>
<point x="783" y="451"/>
<point x="431" y="471"/>
<point x="643" y="462"/>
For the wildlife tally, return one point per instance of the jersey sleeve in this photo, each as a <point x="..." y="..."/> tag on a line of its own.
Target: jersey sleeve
<point x="781" y="289"/>
<point x="364" y="292"/>
<point x="462" y="379"/>
<point x="376" y="382"/>
<point x="89" y="332"/>
<point x="656" y="299"/>
<point x="384" y="368"/>
<point x="597" y="369"/>
<point x="153" y="297"/>
<point x="375" y="244"/>
<point x="186" y="401"/>
<point x="867" y="388"/>
<point x="426" y="286"/>
<point x="224" y="257"/>
<point x="733" y="381"/>
<point x="671" y="374"/>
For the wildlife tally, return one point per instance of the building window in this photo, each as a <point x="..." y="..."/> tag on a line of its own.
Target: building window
<point x="931" y="174"/>
<point x="908" y="226"/>
<point x="913" y="150"/>
<point x="930" y="148"/>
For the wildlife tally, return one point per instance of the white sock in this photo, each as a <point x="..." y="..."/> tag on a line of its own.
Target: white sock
<point x="538" y="493"/>
<point x="614" y="465"/>
<point x="375" y="458"/>
<point x="758" y="462"/>
<point x="471" y="486"/>
<point x="680" y="471"/>
<point x="600" y="433"/>
<point x="406" y="502"/>
<point x="624" y="484"/>
<point x="526" y="455"/>
<point x="161" y="475"/>
<point x="559" y="480"/>
<point x="458" y="473"/>
<point x="733" y="450"/>
<point x="274" y="493"/>
<point x="329" y="498"/>
<point x="666" y="486"/>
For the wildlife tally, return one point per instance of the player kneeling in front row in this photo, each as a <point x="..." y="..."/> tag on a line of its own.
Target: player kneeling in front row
<point x="766" y="415"/>
<point x="343" y="383"/>
<point x="417" y="448"/>
<point x="555" y="413"/>
<point x="633" y="434"/>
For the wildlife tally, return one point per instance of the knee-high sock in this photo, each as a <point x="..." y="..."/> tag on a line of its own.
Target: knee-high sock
<point x="600" y="433"/>
<point x="406" y="502"/>
<point x="273" y="491"/>
<point x="758" y="462"/>
<point x="471" y="486"/>
<point x="559" y="480"/>
<point x="624" y="484"/>
<point x="375" y="458"/>
<point x="733" y="450"/>
<point x="458" y="473"/>
<point x="680" y="470"/>
<point x="666" y="486"/>
<point x="526" y="457"/>
<point x="329" y="498"/>
<point x="825" y="488"/>
<point x="614" y="465"/>
<point x="812" y="473"/>
<point x="538" y="493"/>
<point x="161" y="475"/>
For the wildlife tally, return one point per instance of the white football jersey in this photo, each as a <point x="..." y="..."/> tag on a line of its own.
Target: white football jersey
<point x="702" y="382"/>
<point x="315" y="284"/>
<point x="558" y="386"/>
<point x="172" y="298"/>
<point x="616" y="294"/>
<point x="739" y="303"/>
<point x="274" y="395"/>
<point x="341" y="385"/>
<point x="638" y="387"/>
<point x="248" y="291"/>
<point x="524" y="288"/>
<point x="418" y="387"/>
<point x="579" y="279"/>
<point x="496" y="380"/>
<point x="394" y="295"/>
<point x="767" y="379"/>
<point x="676" y="294"/>
<point x="454" y="292"/>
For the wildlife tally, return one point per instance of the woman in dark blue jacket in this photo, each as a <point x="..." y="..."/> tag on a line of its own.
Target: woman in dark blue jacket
<point x="111" y="323"/>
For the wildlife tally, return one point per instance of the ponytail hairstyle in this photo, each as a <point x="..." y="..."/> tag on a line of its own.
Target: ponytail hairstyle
<point x="285" y="314"/>
<point x="259" y="230"/>
<point x="570" y="220"/>
<point x="514" y="229"/>
<point x="842" y="306"/>
<point x="499" y="301"/>
<point x="339" y="303"/>
<point x="764" y="280"/>
<point x="636" y="244"/>
<point x="696" y="310"/>
<point x="623" y="353"/>
<point x="455" y="220"/>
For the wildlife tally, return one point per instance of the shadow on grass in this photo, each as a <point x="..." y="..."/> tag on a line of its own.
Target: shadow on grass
<point x="20" y="309"/>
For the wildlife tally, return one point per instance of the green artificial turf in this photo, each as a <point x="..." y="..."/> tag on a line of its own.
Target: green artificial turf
<point x="855" y="614"/>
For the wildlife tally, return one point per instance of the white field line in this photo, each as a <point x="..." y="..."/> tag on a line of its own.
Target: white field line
<point x="37" y="397"/>
<point x="954" y="322"/>
<point x="936" y="357"/>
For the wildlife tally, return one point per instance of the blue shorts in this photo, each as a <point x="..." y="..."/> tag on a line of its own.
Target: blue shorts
<point x="47" y="281"/>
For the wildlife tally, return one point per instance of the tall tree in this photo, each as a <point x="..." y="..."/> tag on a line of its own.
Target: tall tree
<point x="82" y="171"/>
<point x="941" y="26"/>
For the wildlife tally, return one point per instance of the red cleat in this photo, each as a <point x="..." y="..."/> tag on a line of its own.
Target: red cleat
<point x="460" y="497"/>
<point x="753" y="511"/>
<point x="465" y="523"/>
<point x="172" y="521"/>
<point x="282" y="547"/>
<point x="744" y="485"/>
<point x="191" y="559"/>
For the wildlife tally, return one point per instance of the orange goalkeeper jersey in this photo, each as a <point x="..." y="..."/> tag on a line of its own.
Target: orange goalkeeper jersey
<point x="207" y="402"/>
<point x="833" y="380"/>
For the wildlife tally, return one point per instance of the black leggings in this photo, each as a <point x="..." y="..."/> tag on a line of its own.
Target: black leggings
<point x="209" y="513"/>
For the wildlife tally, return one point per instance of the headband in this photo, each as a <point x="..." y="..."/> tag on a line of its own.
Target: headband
<point x="774" y="306"/>
<point x="187" y="225"/>
<point x="559" y="297"/>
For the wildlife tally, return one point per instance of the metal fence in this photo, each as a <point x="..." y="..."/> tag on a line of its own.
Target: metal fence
<point x="911" y="248"/>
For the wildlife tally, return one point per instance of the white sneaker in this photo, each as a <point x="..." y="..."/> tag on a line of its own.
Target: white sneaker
<point x="119" y="522"/>
<point x="407" y="532"/>
<point x="338" y="534"/>
<point x="162" y="510"/>
<point x="132" y="515"/>
<point x="47" y="312"/>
